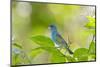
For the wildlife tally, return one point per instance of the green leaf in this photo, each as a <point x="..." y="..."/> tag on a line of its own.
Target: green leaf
<point x="43" y="41"/>
<point x="92" y="57"/>
<point x="91" y="23"/>
<point x="92" y="48"/>
<point x="70" y="59"/>
<point x="35" y="52"/>
<point x="81" y="54"/>
<point x="57" y="56"/>
<point x="15" y="59"/>
<point x="17" y="45"/>
<point x="48" y="45"/>
<point x="91" y="19"/>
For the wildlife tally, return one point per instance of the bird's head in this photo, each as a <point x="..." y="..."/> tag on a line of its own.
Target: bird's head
<point x="52" y="28"/>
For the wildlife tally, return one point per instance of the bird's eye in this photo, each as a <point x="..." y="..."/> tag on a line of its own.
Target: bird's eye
<point x="51" y="26"/>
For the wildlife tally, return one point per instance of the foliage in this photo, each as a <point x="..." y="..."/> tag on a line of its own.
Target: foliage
<point x="25" y="50"/>
<point x="56" y="56"/>
<point x="91" y="23"/>
<point x="43" y="41"/>
<point x="80" y="54"/>
<point x="48" y="45"/>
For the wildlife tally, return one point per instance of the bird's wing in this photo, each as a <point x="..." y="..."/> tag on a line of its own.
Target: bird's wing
<point x="63" y="43"/>
<point x="60" y="39"/>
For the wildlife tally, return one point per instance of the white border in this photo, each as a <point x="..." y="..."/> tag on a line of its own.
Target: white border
<point x="5" y="33"/>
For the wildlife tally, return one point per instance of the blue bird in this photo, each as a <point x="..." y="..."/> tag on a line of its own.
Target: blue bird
<point x="57" y="38"/>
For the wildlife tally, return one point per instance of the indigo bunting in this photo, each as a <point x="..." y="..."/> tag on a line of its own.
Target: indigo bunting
<point x="57" y="38"/>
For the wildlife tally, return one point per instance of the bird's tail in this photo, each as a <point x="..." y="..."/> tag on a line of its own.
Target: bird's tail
<point x="70" y="51"/>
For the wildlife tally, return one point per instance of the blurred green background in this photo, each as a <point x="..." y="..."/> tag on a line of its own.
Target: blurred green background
<point x="33" y="18"/>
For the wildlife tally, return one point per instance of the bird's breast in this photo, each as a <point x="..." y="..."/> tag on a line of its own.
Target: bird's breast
<point x="53" y="36"/>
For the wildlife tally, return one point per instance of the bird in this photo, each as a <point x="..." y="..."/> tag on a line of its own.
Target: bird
<point x="58" y="39"/>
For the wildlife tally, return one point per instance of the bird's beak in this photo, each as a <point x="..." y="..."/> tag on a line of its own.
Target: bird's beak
<point x="49" y="28"/>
